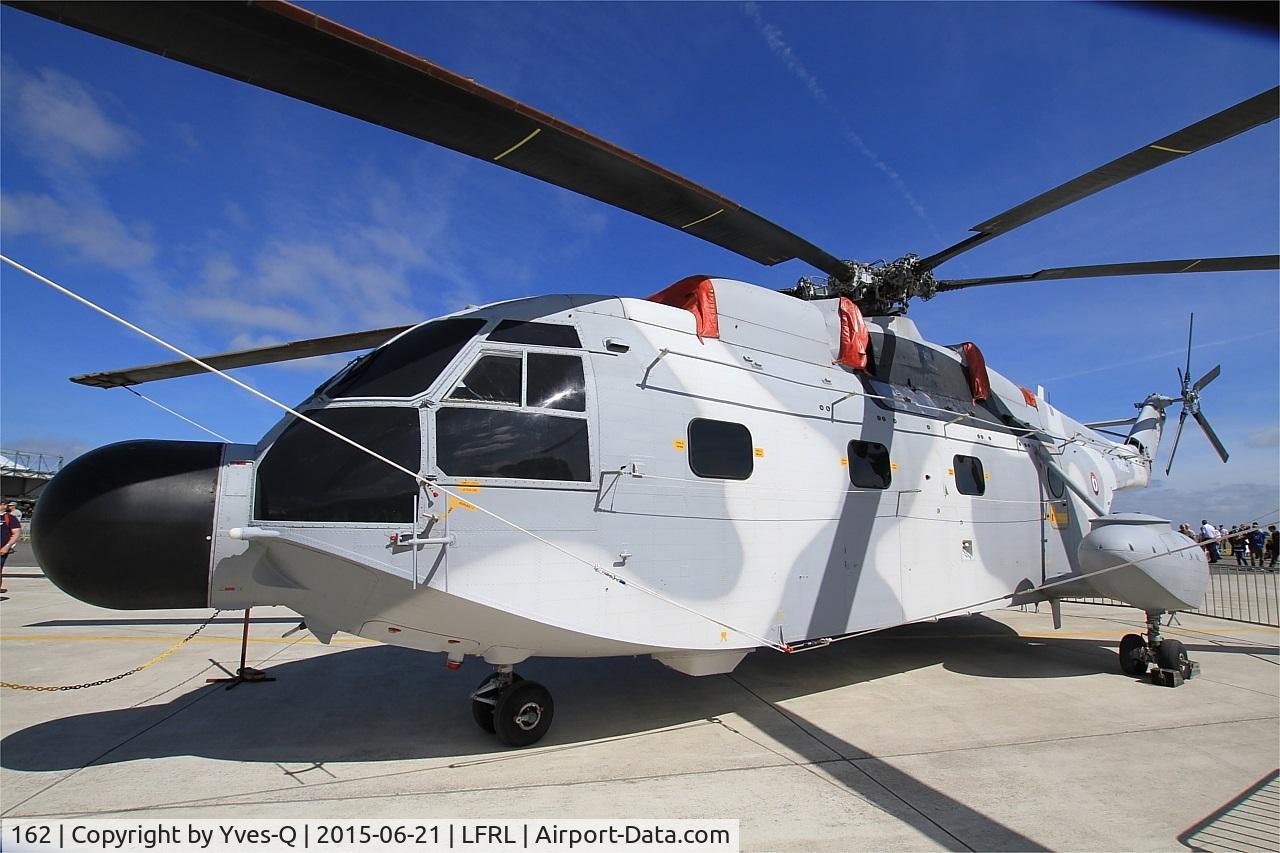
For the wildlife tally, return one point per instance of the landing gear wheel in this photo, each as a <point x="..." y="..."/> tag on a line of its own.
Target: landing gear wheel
<point x="482" y="711"/>
<point x="1171" y="655"/>
<point x="523" y="714"/>
<point x="1133" y="655"/>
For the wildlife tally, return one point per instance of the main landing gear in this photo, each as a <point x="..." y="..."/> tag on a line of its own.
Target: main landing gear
<point x="519" y="712"/>
<point x="1165" y="661"/>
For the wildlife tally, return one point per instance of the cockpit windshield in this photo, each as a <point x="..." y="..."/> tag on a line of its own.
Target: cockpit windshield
<point x="410" y="364"/>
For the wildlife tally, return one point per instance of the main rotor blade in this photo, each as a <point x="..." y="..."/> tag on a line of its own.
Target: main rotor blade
<point x="242" y="358"/>
<point x="1182" y="417"/>
<point x="1207" y="378"/>
<point x="1237" y="264"/>
<point x="1243" y="116"/>
<point x="284" y="48"/>
<point x="1211" y="435"/>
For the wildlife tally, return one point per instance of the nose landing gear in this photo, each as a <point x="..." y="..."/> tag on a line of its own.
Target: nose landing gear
<point x="519" y="712"/>
<point x="1164" y="660"/>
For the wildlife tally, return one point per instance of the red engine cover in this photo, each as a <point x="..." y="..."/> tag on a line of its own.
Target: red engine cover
<point x="697" y="295"/>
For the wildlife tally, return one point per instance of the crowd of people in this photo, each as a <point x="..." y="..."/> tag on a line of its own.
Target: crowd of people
<point x="1254" y="548"/>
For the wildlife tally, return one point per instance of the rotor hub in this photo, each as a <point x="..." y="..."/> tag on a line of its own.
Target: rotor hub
<point x="880" y="288"/>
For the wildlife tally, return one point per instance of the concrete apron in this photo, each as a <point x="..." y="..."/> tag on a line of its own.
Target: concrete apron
<point x="990" y="732"/>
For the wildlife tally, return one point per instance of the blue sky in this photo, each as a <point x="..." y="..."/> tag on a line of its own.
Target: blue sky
<point x="220" y="216"/>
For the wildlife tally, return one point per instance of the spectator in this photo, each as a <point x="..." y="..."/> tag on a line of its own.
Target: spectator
<point x="1239" y="548"/>
<point x="1273" y="546"/>
<point x="1209" y="535"/>
<point x="1257" y="544"/>
<point x="10" y="530"/>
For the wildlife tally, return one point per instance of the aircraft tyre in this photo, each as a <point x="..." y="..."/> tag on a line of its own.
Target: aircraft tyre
<point x="1170" y="654"/>
<point x="523" y="714"/>
<point x="1133" y="655"/>
<point x="482" y="711"/>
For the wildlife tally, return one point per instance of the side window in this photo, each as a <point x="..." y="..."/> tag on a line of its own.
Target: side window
<point x="556" y="382"/>
<point x="492" y="379"/>
<point x="869" y="465"/>
<point x="308" y="475"/>
<point x="517" y="443"/>
<point x="969" y="476"/>
<point x="505" y="443"/>
<point x="1056" y="486"/>
<point x="720" y="449"/>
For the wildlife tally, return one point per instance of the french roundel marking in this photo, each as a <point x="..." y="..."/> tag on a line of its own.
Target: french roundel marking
<point x="1093" y="482"/>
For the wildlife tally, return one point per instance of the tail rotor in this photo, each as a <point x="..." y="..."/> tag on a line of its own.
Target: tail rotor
<point x="1189" y="396"/>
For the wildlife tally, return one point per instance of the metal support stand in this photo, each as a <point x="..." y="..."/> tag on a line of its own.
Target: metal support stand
<point x="245" y="674"/>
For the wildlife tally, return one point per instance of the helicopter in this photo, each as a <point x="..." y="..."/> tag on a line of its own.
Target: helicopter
<point x="716" y="469"/>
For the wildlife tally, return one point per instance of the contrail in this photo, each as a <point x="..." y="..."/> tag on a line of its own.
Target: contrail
<point x="1157" y="356"/>
<point x="779" y="47"/>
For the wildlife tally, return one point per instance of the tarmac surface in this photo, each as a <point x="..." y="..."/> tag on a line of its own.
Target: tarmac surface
<point x="989" y="732"/>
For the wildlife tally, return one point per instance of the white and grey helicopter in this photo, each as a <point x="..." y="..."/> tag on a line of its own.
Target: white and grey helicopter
<point x="693" y="476"/>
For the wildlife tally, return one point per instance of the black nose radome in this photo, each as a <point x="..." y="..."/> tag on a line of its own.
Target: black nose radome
<point x="129" y="526"/>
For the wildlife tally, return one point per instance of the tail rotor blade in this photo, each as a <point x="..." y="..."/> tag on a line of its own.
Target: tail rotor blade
<point x="1211" y="435"/>
<point x="1176" y="436"/>
<point x="1191" y="324"/>
<point x="1207" y="378"/>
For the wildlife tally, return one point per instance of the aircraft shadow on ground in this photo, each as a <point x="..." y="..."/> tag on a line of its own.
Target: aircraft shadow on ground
<point x="383" y="703"/>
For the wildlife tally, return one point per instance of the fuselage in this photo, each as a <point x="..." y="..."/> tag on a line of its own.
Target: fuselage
<point x="757" y="486"/>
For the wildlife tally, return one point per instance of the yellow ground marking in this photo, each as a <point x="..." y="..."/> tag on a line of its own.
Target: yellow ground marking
<point x="1166" y="148"/>
<point x="160" y="638"/>
<point x="1190" y="633"/>
<point x="536" y="131"/>
<point x="703" y="219"/>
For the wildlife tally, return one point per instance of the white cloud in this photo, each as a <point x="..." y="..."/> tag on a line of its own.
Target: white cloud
<point x="186" y="134"/>
<point x="1268" y="437"/>
<point x="1229" y="503"/>
<point x="58" y="121"/>
<point x="235" y="214"/>
<point x="242" y="313"/>
<point x="50" y="445"/>
<point x="95" y="234"/>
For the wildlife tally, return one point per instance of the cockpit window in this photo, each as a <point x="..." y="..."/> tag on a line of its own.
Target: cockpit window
<point x="308" y="475"/>
<point x="407" y="366"/>
<point x="493" y="379"/>
<point x="537" y="334"/>
<point x="556" y="382"/>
